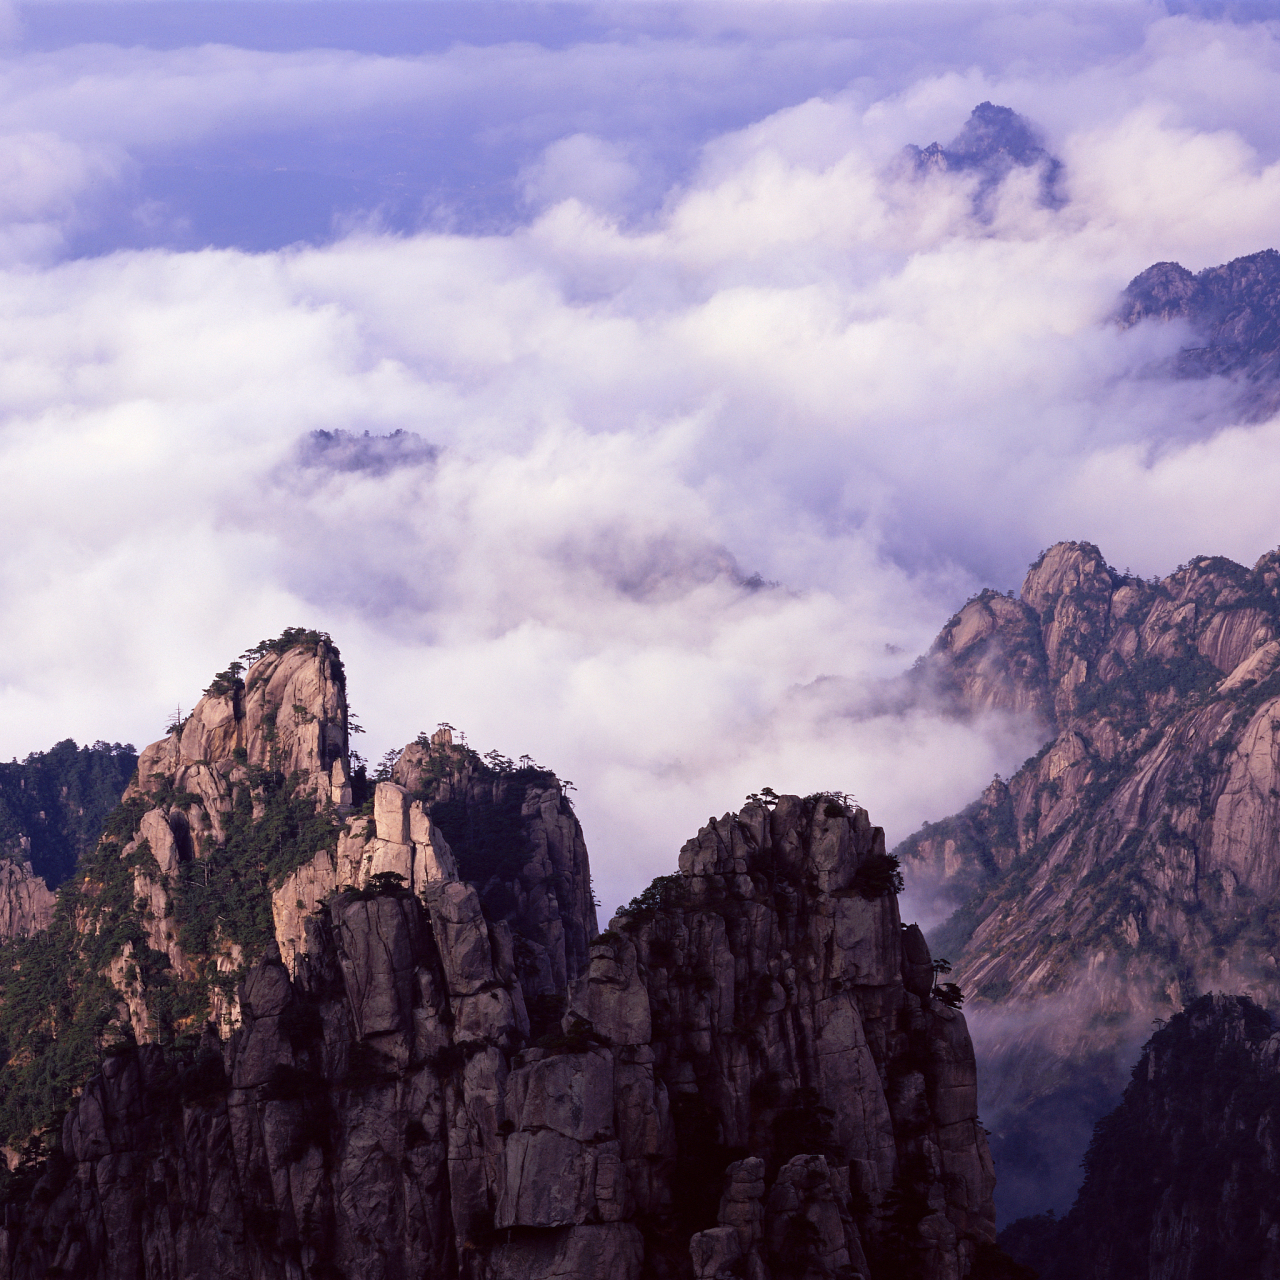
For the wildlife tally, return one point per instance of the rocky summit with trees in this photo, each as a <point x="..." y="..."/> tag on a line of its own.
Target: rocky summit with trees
<point x="287" y="1021"/>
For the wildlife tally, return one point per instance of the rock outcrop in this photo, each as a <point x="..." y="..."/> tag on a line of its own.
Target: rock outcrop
<point x="26" y="903"/>
<point x="288" y="713"/>
<point x="406" y="1052"/>
<point x="517" y="839"/>
<point x="1131" y="864"/>
<point x="1183" y="1178"/>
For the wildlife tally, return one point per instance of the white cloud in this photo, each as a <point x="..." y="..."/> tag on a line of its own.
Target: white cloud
<point x="581" y="167"/>
<point x="793" y="362"/>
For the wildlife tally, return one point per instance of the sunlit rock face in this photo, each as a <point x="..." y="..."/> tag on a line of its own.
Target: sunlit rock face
<point x="26" y="905"/>
<point x="1132" y="863"/>
<point x="1233" y="312"/>
<point x="370" y="1028"/>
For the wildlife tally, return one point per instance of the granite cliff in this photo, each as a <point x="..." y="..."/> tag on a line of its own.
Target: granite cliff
<point x="1131" y="864"/>
<point x="271" y="1033"/>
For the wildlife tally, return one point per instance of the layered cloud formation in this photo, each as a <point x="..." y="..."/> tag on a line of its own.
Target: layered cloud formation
<point x="614" y="392"/>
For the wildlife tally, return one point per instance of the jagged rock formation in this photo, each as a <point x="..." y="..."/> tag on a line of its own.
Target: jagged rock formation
<point x="790" y="1013"/>
<point x="1131" y="864"/>
<point x="993" y="143"/>
<point x="393" y="1044"/>
<point x="1183" y="1178"/>
<point x="1234" y="312"/>
<point x="518" y="841"/>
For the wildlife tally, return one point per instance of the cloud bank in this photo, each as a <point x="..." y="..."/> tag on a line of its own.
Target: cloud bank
<point x="657" y="415"/>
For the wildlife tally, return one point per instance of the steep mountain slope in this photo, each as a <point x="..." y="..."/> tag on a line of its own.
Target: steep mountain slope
<point x="1234" y="312"/>
<point x="266" y="1036"/>
<point x="1132" y="864"/>
<point x="53" y="803"/>
<point x="1182" y="1180"/>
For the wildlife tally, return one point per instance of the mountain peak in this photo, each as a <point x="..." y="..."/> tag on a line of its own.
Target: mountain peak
<point x="992" y="131"/>
<point x="1124" y="868"/>
<point x="286" y="711"/>
<point x="430" y="1062"/>
<point x="994" y="141"/>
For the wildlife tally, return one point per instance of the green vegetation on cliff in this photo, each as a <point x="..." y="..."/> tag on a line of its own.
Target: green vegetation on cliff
<point x="56" y="1006"/>
<point x="59" y="1013"/>
<point x="58" y="800"/>
<point x="227" y="892"/>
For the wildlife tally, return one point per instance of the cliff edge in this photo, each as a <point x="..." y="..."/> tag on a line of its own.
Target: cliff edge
<point x="297" y="1035"/>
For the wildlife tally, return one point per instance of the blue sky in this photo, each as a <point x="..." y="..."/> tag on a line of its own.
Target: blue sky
<point x="421" y="114"/>
<point x="711" y="411"/>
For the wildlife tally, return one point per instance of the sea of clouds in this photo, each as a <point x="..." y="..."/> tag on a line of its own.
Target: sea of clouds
<point x="597" y="375"/>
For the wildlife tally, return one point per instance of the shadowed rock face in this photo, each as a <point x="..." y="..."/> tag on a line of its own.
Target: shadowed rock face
<point x="1132" y="863"/>
<point x="1183" y="1178"/>
<point x="434" y="1065"/>
<point x="1234" y="312"/>
<point x="518" y="841"/>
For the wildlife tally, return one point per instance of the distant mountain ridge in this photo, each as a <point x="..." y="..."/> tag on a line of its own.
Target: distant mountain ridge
<point x="1234" y="310"/>
<point x="1130" y="865"/>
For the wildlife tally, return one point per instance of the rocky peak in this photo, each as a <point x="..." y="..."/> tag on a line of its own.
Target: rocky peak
<point x="778" y="974"/>
<point x="1070" y="587"/>
<point x="1070" y="569"/>
<point x="990" y="657"/>
<point x="749" y="1073"/>
<point x="517" y="840"/>
<point x="1080" y="628"/>
<point x="993" y="131"/>
<point x="1266" y="573"/>
<point x="1233" y="304"/>
<point x="1164" y="291"/>
<point x="1031" y="654"/>
<point x="994" y="141"/>
<point x="287" y="711"/>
